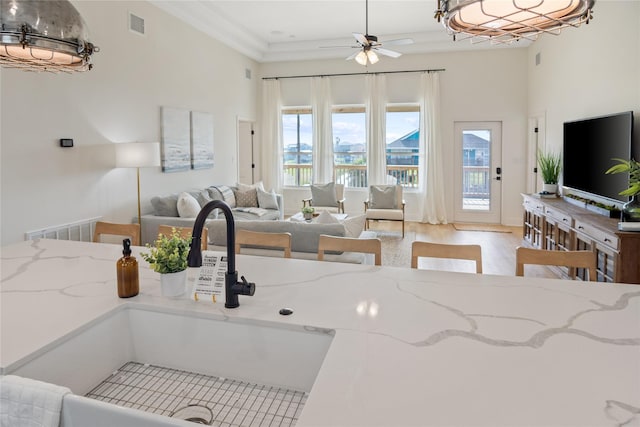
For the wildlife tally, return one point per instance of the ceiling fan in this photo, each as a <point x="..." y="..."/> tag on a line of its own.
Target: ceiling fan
<point x="369" y="47"/>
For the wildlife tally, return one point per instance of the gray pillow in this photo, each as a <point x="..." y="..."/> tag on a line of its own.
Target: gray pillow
<point x="382" y="197"/>
<point x="165" y="205"/>
<point x="324" y="194"/>
<point x="267" y="200"/>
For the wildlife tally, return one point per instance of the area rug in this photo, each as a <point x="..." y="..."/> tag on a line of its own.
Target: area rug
<point x="396" y="251"/>
<point x="496" y="228"/>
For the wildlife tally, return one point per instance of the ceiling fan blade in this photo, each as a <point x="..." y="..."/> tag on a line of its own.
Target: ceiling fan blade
<point x="350" y="57"/>
<point x="340" y="47"/>
<point x="361" y="39"/>
<point x="398" y="42"/>
<point x="387" y="52"/>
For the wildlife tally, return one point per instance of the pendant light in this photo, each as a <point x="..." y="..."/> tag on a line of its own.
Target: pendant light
<point x="44" y="36"/>
<point x="503" y="21"/>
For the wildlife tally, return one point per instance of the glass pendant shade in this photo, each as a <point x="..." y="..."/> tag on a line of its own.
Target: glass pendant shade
<point x="508" y="20"/>
<point x="44" y="36"/>
<point x="361" y="58"/>
<point x="373" y="57"/>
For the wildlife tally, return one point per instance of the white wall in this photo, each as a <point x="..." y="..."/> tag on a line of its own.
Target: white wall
<point x="588" y="71"/>
<point x="118" y="101"/>
<point x="487" y="85"/>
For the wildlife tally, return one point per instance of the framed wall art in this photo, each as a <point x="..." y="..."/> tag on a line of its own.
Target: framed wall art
<point x="201" y="140"/>
<point x="176" y="139"/>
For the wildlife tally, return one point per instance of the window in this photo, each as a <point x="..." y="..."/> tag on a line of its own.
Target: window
<point x="350" y="146"/>
<point x="403" y="144"/>
<point x="297" y="145"/>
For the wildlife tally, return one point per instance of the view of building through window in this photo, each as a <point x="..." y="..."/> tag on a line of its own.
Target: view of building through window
<point x="350" y="146"/>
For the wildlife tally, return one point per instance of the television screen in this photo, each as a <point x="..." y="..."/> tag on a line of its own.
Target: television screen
<point x="589" y="147"/>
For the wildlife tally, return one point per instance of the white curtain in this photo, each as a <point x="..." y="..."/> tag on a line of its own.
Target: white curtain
<point x="322" y="130"/>
<point x="376" y="129"/>
<point x="432" y="201"/>
<point x="271" y="141"/>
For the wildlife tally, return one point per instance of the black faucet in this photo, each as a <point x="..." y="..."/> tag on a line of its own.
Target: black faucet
<point x="232" y="287"/>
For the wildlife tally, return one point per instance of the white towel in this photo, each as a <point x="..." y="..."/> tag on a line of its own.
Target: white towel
<point x="29" y="403"/>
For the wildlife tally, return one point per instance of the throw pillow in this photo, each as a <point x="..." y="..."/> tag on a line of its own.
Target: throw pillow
<point x="267" y="200"/>
<point x="188" y="206"/>
<point x="354" y="225"/>
<point x="326" y="218"/>
<point x="246" y="187"/>
<point x="246" y="199"/>
<point x="324" y="194"/>
<point x="165" y="205"/>
<point x="203" y="197"/>
<point x="382" y="197"/>
<point x="228" y="195"/>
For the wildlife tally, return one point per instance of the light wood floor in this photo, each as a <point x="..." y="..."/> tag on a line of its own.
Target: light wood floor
<point x="498" y="248"/>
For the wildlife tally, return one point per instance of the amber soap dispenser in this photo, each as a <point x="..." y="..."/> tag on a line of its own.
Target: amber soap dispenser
<point x="127" y="268"/>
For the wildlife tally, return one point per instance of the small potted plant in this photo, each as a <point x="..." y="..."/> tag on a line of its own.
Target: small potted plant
<point x="631" y="209"/>
<point x="168" y="256"/>
<point x="550" y="164"/>
<point x="307" y="212"/>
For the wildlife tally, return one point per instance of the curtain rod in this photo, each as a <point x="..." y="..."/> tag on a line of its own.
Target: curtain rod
<point x="435" y="70"/>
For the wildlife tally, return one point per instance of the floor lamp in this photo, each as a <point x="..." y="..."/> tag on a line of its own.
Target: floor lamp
<point x="138" y="155"/>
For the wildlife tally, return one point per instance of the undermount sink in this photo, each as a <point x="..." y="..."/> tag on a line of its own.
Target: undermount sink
<point x="278" y="356"/>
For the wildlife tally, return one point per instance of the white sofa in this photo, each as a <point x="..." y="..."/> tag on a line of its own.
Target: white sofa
<point x="166" y="212"/>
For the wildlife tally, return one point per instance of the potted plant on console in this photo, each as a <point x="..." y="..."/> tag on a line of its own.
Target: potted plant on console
<point x="168" y="256"/>
<point x="631" y="209"/>
<point x="549" y="164"/>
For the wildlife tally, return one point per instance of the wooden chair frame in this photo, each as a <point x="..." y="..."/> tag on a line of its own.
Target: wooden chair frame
<point x="449" y="251"/>
<point x="571" y="259"/>
<point x="127" y="230"/>
<point x="259" y="238"/>
<point x="185" y="232"/>
<point x="349" y="244"/>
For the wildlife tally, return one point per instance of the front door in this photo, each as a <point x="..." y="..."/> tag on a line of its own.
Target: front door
<point x="478" y="172"/>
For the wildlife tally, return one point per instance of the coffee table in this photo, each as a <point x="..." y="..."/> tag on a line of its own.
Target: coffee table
<point x="299" y="217"/>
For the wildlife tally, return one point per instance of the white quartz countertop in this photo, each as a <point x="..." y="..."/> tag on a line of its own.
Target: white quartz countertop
<point x="411" y="347"/>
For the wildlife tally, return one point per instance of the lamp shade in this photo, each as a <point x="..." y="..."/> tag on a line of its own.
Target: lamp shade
<point x="137" y="154"/>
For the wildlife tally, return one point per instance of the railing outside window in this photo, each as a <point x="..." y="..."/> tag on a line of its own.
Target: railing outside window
<point x="476" y="182"/>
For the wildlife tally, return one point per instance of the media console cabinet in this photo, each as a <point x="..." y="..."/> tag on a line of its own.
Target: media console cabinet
<point x="555" y="224"/>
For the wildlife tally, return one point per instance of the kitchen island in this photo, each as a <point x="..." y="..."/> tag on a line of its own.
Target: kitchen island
<point x="410" y="347"/>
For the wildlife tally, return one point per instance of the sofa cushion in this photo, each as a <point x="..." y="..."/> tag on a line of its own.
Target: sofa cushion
<point x="188" y="206"/>
<point x="382" y="197"/>
<point x="165" y="205"/>
<point x="324" y="194"/>
<point x="267" y="200"/>
<point x="246" y="199"/>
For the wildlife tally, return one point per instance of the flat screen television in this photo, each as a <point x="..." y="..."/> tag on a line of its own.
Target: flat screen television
<point x="588" y="150"/>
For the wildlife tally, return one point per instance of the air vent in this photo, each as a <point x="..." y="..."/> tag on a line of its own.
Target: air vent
<point x="136" y="24"/>
<point x="247" y="73"/>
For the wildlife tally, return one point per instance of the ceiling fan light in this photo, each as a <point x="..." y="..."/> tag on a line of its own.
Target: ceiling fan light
<point x="373" y="57"/>
<point x="508" y="20"/>
<point x="361" y="58"/>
